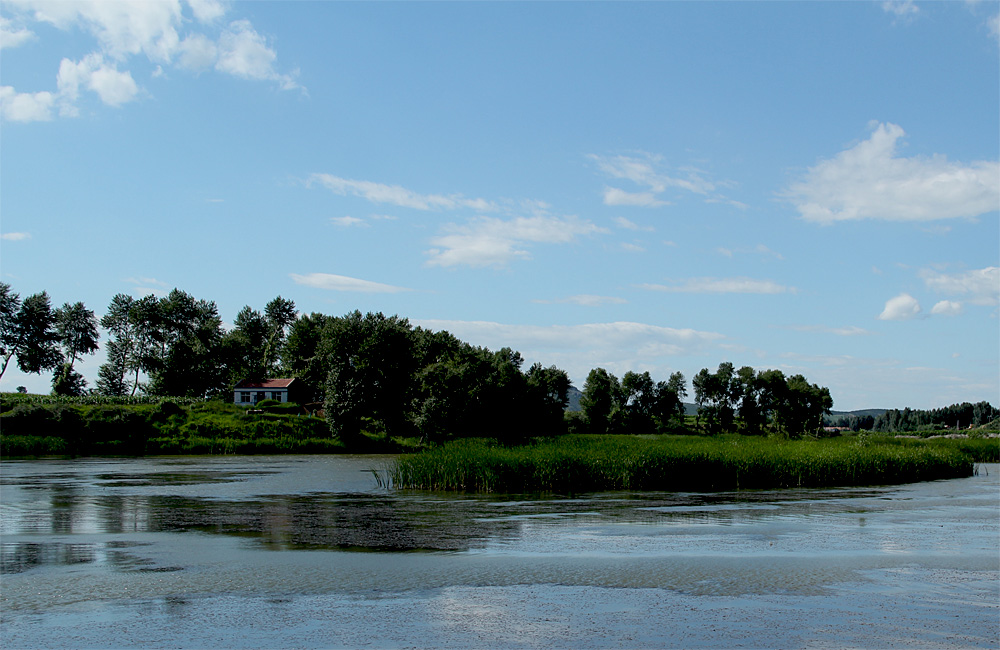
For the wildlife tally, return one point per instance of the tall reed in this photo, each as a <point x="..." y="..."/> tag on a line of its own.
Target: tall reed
<point x="572" y="464"/>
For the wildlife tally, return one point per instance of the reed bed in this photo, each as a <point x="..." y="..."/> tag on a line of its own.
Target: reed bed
<point x="580" y="463"/>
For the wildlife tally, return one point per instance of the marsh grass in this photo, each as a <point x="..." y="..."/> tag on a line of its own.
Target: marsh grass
<point x="581" y="463"/>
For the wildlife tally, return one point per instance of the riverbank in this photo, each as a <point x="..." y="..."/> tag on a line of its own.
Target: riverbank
<point x="97" y="426"/>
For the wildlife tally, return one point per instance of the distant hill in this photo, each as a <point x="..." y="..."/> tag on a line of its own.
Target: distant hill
<point x="872" y="412"/>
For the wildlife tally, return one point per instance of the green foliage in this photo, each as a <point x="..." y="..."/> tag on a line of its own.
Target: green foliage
<point x="574" y="464"/>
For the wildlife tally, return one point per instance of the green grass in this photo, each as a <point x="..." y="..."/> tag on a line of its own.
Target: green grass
<point x="120" y="426"/>
<point x="580" y="463"/>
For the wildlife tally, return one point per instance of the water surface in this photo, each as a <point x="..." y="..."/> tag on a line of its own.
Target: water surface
<point x="308" y="551"/>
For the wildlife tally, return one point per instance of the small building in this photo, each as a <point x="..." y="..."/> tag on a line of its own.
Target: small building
<point x="251" y="391"/>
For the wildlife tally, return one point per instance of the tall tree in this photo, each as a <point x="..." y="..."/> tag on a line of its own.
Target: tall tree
<point x="76" y="327"/>
<point x="27" y="332"/>
<point x="190" y="360"/>
<point x="135" y="343"/>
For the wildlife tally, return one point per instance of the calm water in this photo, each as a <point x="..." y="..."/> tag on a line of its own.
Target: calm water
<point x="307" y="551"/>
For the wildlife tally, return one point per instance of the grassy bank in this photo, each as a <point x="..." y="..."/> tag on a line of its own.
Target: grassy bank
<point x="39" y="425"/>
<point x="580" y="463"/>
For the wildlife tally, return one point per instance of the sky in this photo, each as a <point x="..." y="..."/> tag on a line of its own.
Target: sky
<point x="656" y="186"/>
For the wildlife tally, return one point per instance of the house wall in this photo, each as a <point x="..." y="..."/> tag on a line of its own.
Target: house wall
<point x="279" y="394"/>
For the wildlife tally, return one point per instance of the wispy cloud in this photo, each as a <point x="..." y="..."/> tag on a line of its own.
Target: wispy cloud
<point x="979" y="286"/>
<point x="332" y="282"/>
<point x="617" y="346"/>
<point x="15" y="236"/>
<point x="869" y="181"/>
<point x="901" y="8"/>
<point x="627" y="224"/>
<point x="650" y="174"/>
<point x="488" y="241"/>
<point x="721" y="285"/>
<point x="851" y="330"/>
<point x="397" y="195"/>
<point x="585" y="300"/>
<point x="347" y="221"/>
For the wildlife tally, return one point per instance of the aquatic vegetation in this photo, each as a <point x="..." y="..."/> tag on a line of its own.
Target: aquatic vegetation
<point x="581" y="463"/>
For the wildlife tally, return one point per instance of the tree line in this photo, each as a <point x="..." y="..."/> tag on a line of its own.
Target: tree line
<point x="745" y="400"/>
<point x="375" y="373"/>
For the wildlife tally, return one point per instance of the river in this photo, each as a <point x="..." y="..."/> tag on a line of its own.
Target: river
<point x="309" y="552"/>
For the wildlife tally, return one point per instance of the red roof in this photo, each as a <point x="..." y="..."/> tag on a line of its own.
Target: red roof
<point x="264" y="383"/>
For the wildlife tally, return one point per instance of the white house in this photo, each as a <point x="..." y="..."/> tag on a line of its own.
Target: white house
<point x="251" y="391"/>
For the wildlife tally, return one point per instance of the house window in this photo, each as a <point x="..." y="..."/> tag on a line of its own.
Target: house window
<point x="276" y="396"/>
<point x="244" y="397"/>
<point x="260" y="397"/>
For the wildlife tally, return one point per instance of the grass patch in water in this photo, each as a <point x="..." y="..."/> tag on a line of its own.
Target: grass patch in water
<point x="585" y="463"/>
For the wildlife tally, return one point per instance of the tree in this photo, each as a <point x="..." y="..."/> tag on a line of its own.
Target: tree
<point x="135" y="344"/>
<point x="27" y="332"/>
<point x="302" y="355"/>
<point x="76" y="328"/>
<point x="601" y="400"/>
<point x="189" y="362"/>
<point x="371" y="377"/>
<point x="715" y="395"/>
<point x="669" y="407"/>
<point x="547" y="398"/>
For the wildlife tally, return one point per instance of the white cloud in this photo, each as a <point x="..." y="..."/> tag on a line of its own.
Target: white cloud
<point x="902" y="307"/>
<point x="851" y="330"/>
<point x="587" y="300"/>
<point x="113" y="87"/>
<point x="868" y="181"/>
<point x="156" y="29"/>
<point x="615" y="196"/>
<point x="343" y="283"/>
<point x="15" y="236"/>
<point x="25" y="107"/>
<point x="346" y="221"/>
<point x="632" y="248"/>
<point x="488" y="241"/>
<point x="900" y="8"/>
<point x="627" y="224"/>
<point x="993" y="24"/>
<point x="721" y="285"/>
<point x="982" y="286"/>
<point x="947" y="308"/>
<point x="206" y="11"/>
<point x="396" y="195"/>
<point x="197" y="52"/>
<point x="11" y="36"/>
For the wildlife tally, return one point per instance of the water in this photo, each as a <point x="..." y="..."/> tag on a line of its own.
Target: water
<point x="308" y="551"/>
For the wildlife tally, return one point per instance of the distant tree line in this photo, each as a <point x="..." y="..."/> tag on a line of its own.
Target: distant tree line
<point x="956" y="416"/>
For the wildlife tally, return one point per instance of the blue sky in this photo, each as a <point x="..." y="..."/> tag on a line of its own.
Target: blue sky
<point x="653" y="186"/>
